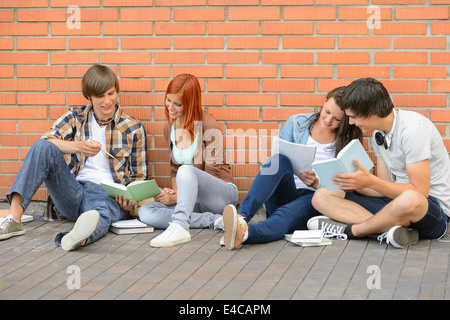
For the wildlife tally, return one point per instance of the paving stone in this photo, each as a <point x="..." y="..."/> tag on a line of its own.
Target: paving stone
<point x="126" y="267"/>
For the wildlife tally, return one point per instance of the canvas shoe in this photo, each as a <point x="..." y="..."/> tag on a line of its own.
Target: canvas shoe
<point x="83" y="228"/>
<point x="10" y="228"/>
<point x="173" y="235"/>
<point x="330" y="228"/>
<point x="401" y="237"/>
<point x="222" y="239"/>
<point x="236" y="229"/>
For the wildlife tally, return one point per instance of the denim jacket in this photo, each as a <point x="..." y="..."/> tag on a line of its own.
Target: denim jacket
<point x="296" y="128"/>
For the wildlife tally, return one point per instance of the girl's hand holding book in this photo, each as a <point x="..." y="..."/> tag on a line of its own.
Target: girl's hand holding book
<point x="167" y="196"/>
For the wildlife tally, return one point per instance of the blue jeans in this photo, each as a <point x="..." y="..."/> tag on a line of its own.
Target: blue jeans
<point x="288" y="208"/>
<point x="45" y="163"/>
<point x="432" y="226"/>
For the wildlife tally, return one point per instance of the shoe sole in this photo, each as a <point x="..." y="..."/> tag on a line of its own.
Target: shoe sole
<point x="313" y="223"/>
<point x="12" y="234"/>
<point x="402" y="237"/>
<point x="83" y="228"/>
<point x="230" y="220"/>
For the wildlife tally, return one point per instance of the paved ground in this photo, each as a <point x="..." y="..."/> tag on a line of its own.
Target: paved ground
<point x="126" y="267"/>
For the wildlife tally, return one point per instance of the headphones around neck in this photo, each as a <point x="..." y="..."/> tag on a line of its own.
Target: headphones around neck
<point x="385" y="139"/>
<point x="381" y="140"/>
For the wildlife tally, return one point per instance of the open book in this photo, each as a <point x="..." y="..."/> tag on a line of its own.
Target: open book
<point x="300" y="155"/>
<point x="130" y="226"/>
<point x="137" y="190"/>
<point x="343" y="163"/>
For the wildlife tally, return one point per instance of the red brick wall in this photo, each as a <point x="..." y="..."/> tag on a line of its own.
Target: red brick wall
<point x="259" y="61"/>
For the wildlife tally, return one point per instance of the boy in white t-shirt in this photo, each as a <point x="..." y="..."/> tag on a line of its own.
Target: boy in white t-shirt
<point x="410" y="195"/>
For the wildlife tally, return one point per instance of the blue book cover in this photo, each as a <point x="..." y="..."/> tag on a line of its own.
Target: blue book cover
<point x="343" y="163"/>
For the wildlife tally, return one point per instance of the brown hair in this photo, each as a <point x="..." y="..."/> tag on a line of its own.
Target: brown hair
<point x="97" y="80"/>
<point x="346" y="132"/>
<point x="366" y="97"/>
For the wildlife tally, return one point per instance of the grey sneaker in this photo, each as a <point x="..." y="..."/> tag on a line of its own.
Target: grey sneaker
<point x="330" y="228"/>
<point x="401" y="237"/>
<point x="10" y="228"/>
<point x="83" y="228"/>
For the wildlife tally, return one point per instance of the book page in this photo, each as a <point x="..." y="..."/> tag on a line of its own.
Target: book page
<point x="132" y="223"/>
<point x="113" y="185"/>
<point x="354" y="150"/>
<point x="300" y="155"/>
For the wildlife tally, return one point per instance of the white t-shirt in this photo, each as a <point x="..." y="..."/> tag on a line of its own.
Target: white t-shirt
<point x="323" y="152"/>
<point x="96" y="168"/>
<point x="415" y="138"/>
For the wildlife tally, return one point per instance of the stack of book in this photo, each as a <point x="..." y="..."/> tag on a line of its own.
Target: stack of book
<point x="308" y="238"/>
<point x="130" y="226"/>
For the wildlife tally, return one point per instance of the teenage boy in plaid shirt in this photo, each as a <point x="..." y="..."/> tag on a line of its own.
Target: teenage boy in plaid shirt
<point x="71" y="160"/>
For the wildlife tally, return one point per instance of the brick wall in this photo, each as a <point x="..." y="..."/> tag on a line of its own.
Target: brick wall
<point x="259" y="61"/>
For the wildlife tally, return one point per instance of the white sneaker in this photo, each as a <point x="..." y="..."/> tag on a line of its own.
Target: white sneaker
<point x="218" y="224"/>
<point x="173" y="235"/>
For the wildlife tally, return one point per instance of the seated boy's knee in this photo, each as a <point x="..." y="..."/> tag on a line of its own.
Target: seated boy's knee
<point x="42" y="143"/>
<point x="410" y="201"/>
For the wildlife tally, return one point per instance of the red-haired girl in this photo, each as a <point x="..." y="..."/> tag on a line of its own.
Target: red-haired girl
<point x="201" y="180"/>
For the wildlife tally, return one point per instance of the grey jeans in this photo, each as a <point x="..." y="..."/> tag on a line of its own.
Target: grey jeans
<point x="201" y="199"/>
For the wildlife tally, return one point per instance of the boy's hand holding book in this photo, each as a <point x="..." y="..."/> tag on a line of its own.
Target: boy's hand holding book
<point x="358" y="180"/>
<point x="125" y="204"/>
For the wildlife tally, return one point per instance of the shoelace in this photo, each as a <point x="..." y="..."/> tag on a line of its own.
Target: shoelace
<point x="383" y="236"/>
<point x="331" y="230"/>
<point x="5" y="222"/>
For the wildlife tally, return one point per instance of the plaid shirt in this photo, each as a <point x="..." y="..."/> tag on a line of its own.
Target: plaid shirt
<point x="126" y="140"/>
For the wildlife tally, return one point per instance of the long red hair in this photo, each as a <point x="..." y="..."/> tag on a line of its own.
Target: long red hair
<point x="190" y="92"/>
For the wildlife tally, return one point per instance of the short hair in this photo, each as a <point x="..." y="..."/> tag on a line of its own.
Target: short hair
<point x="367" y="97"/>
<point x="97" y="80"/>
<point x="189" y="89"/>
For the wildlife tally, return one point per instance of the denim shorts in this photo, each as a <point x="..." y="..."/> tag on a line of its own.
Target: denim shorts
<point x="432" y="226"/>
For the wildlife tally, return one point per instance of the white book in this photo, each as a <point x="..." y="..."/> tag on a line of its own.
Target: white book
<point x="26" y="218"/>
<point x="343" y="163"/>
<point x="307" y="235"/>
<point x="300" y="155"/>
<point x="308" y="238"/>
<point x="130" y="226"/>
